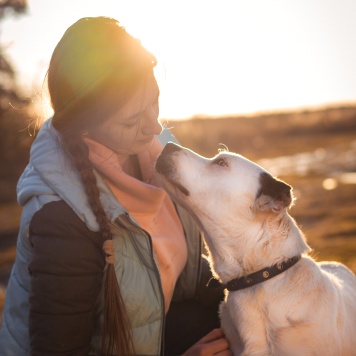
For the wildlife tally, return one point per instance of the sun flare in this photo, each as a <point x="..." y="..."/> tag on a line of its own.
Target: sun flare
<point x="215" y="58"/>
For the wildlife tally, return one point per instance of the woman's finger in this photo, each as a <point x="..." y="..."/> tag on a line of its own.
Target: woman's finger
<point x="216" y="346"/>
<point x="224" y="353"/>
<point x="213" y="343"/>
<point x="212" y="335"/>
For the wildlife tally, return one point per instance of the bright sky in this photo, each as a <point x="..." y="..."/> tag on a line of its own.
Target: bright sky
<point x="215" y="57"/>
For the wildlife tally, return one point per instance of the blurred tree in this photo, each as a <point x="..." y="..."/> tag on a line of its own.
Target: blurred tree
<point x="7" y="73"/>
<point x="17" y="6"/>
<point x="14" y="117"/>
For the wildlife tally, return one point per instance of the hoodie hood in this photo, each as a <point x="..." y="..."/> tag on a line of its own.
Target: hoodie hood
<point x="51" y="175"/>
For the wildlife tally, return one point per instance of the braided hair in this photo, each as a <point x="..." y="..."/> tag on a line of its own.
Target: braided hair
<point x="94" y="69"/>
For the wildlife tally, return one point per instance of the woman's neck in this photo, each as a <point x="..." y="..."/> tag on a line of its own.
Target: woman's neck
<point x="130" y="165"/>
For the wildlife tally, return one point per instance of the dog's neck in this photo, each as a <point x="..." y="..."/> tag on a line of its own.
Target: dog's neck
<point x="266" y="243"/>
<point x="258" y="277"/>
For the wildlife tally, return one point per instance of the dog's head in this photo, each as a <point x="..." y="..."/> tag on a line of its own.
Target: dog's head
<point x="221" y="185"/>
<point x="241" y="208"/>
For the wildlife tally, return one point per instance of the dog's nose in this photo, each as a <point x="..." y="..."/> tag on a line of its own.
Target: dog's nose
<point x="164" y="163"/>
<point x="170" y="148"/>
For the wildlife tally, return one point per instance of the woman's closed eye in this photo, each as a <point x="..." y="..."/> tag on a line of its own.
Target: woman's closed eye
<point x="132" y="121"/>
<point x="131" y="124"/>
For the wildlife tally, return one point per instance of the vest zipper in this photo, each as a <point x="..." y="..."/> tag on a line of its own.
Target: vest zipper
<point x="158" y="278"/>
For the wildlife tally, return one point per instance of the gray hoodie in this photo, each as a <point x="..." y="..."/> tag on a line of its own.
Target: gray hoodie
<point x="49" y="177"/>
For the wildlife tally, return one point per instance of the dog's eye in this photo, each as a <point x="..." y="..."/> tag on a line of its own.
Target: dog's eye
<point x="220" y="162"/>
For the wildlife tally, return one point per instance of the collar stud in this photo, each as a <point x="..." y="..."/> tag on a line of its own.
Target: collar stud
<point x="265" y="274"/>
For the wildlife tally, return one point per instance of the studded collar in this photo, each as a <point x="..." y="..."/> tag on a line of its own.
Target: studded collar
<point x="256" y="277"/>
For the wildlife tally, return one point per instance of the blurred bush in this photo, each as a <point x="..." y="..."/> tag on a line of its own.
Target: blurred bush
<point x="270" y="134"/>
<point x="14" y="115"/>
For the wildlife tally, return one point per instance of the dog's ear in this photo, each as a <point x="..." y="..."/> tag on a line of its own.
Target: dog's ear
<point x="273" y="195"/>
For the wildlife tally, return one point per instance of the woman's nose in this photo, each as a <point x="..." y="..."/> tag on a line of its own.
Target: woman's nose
<point x="150" y="124"/>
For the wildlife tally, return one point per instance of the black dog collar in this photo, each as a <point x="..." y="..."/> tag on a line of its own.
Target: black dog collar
<point x="256" y="277"/>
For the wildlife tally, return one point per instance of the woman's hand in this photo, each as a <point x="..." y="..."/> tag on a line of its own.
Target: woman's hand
<point x="211" y="344"/>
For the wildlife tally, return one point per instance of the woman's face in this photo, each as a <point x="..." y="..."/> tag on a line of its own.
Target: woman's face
<point x="131" y="130"/>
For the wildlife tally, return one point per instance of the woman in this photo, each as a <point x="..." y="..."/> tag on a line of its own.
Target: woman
<point x="106" y="264"/>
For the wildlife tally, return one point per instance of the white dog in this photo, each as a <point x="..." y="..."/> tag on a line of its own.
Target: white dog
<point x="278" y="301"/>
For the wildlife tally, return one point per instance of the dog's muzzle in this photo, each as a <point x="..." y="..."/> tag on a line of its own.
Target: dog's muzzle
<point x="166" y="167"/>
<point x="164" y="164"/>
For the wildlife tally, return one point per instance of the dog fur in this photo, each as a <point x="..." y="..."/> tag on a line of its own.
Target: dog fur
<point x="309" y="309"/>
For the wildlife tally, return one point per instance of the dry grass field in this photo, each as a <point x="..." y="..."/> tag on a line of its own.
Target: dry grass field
<point x="314" y="151"/>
